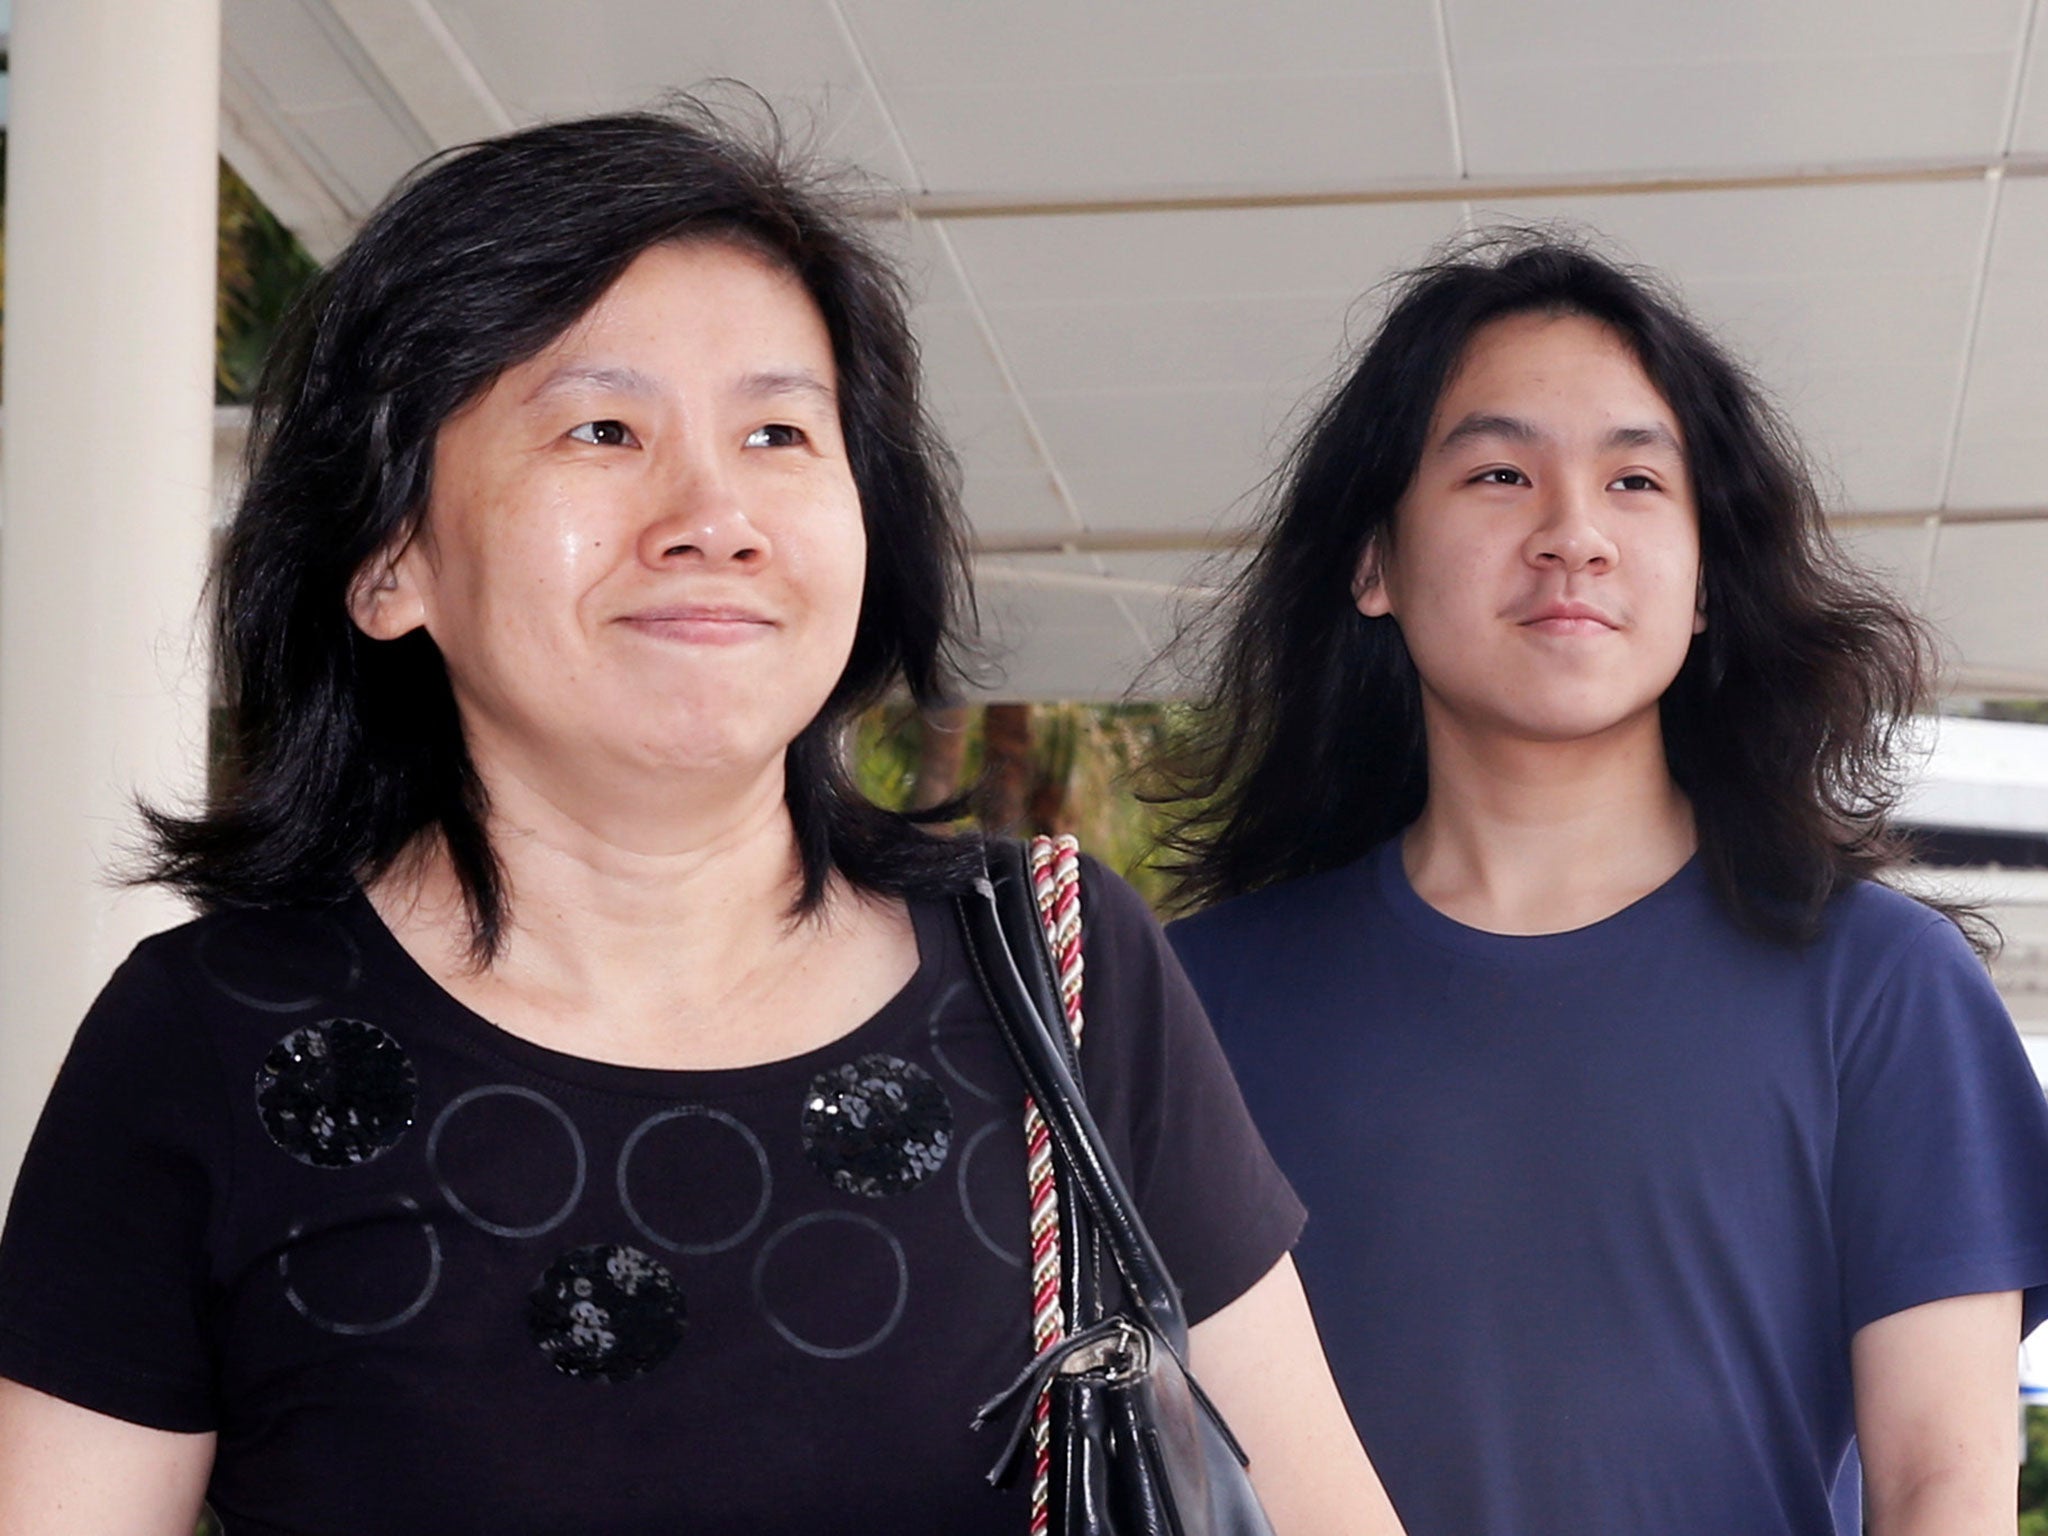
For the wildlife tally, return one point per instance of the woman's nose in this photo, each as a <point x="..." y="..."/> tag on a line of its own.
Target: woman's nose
<point x="706" y="520"/>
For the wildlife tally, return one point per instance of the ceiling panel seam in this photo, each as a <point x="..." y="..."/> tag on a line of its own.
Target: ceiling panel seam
<point x="982" y="324"/>
<point x="985" y="328"/>
<point x="459" y="58"/>
<point x="1987" y="243"/>
<point x="277" y="165"/>
<point x="873" y="86"/>
<point x="1929" y="553"/>
<point x="2022" y="79"/>
<point x="318" y="166"/>
<point x="372" y="24"/>
<point x="1146" y="642"/>
<point x="1033" y="433"/>
<point x="2016" y="91"/>
<point x="380" y="90"/>
<point x="1449" y="67"/>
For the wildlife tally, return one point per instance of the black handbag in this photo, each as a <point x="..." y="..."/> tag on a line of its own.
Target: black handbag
<point x="1136" y="1445"/>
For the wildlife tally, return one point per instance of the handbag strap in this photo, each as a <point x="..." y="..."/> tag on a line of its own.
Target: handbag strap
<point x="1041" y="1058"/>
<point x="1058" y="1279"/>
<point x="1014" y="926"/>
<point x="1056" y="886"/>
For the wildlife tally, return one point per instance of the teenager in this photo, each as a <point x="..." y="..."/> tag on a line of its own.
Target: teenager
<point x="1653" y="1148"/>
<point x="575" y="1112"/>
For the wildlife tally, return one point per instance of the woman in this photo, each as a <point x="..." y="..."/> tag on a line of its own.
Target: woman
<point x="574" y="1113"/>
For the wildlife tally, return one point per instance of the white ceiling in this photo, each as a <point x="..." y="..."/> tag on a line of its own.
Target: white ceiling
<point x="1143" y="230"/>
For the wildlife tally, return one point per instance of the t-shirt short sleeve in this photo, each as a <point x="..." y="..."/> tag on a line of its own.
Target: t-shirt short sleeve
<point x="1940" y="1183"/>
<point x="103" y="1267"/>
<point x="1210" y="1193"/>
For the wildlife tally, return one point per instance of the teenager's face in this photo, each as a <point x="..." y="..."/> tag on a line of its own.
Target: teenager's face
<point x="643" y="547"/>
<point x="1545" y="564"/>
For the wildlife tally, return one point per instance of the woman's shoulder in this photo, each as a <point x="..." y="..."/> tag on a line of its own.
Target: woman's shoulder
<point x="1109" y="898"/>
<point x="260" y="956"/>
<point x="203" y="979"/>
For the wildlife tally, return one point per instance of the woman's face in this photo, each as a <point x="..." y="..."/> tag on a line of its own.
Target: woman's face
<point x="643" y="548"/>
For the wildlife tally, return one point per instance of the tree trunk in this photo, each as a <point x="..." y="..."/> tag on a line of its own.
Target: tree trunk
<point x="1005" y="767"/>
<point x="941" y="750"/>
<point x="1048" y="809"/>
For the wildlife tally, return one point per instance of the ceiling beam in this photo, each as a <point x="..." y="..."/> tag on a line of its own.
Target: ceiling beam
<point x="1953" y="517"/>
<point x="1080" y="581"/>
<point x="1458" y="189"/>
<point x="1153" y="541"/>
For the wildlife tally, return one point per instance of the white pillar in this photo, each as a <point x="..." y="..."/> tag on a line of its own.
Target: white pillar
<point x="107" y="449"/>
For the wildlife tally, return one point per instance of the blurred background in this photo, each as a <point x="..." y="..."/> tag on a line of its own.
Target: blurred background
<point x="1140" y="234"/>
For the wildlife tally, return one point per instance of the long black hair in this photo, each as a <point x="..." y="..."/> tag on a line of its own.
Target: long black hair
<point x="1307" y="748"/>
<point x="341" y="751"/>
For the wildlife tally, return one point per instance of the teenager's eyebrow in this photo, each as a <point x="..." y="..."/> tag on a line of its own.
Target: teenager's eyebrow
<point x="1487" y="424"/>
<point x="596" y="378"/>
<point x="1655" y="435"/>
<point x="1482" y="424"/>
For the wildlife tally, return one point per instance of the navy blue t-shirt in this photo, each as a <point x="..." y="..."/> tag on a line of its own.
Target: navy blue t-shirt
<point x="1593" y="1215"/>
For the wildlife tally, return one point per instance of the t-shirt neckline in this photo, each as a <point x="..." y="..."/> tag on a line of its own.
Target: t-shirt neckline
<point x="915" y="999"/>
<point x="1390" y="877"/>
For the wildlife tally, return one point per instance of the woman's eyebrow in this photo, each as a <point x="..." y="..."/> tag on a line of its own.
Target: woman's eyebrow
<point x="787" y="381"/>
<point x="597" y="378"/>
<point x="608" y="378"/>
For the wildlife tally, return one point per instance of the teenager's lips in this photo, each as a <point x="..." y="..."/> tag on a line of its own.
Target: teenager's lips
<point x="700" y="623"/>
<point x="1566" y="617"/>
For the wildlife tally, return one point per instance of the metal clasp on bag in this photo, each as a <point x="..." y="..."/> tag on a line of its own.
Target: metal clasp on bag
<point x="1121" y="1354"/>
<point x="1116" y="1347"/>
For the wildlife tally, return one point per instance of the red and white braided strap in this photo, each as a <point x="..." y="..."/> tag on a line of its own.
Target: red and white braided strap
<point x="1056" y="883"/>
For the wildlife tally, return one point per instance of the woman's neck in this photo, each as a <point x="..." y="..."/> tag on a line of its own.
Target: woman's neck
<point x="1527" y="837"/>
<point x="666" y="942"/>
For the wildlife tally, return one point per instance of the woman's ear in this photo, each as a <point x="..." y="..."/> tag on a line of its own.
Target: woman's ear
<point x="1368" y="585"/>
<point x="384" y="600"/>
<point x="1699" y="607"/>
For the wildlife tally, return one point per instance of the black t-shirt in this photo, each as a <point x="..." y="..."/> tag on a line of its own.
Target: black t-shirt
<point x="421" y="1275"/>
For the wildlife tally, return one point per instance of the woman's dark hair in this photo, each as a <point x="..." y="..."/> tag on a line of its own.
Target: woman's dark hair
<point x="1307" y="748"/>
<point x="341" y="750"/>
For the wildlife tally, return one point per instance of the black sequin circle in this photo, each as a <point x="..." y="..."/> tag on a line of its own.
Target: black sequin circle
<point x="877" y="1125"/>
<point x="606" y="1313"/>
<point x="336" y="1093"/>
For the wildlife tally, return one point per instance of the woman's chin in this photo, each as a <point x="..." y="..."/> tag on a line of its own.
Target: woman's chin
<point x="665" y="736"/>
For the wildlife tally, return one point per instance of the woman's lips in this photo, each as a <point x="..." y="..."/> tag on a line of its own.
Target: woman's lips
<point x="700" y="624"/>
